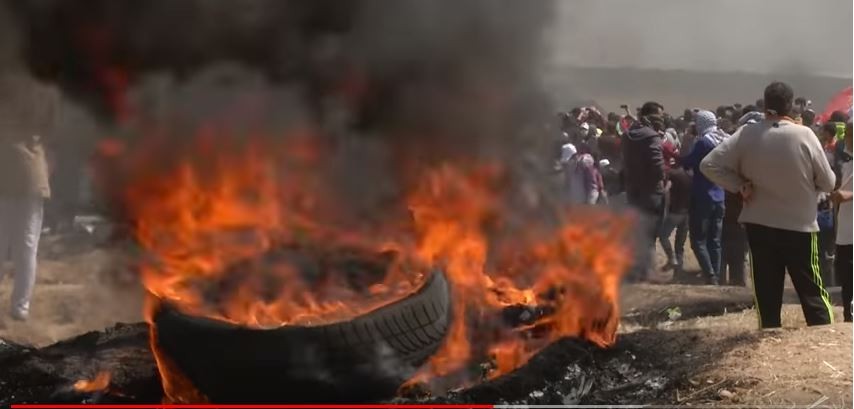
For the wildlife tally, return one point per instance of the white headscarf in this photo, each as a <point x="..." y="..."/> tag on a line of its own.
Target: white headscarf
<point x="567" y="151"/>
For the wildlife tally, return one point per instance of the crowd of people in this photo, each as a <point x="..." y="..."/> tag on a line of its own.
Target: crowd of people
<point x="768" y="183"/>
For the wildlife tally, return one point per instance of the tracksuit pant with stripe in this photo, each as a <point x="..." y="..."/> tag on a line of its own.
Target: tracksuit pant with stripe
<point x="845" y="277"/>
<point x="774" y="251"/>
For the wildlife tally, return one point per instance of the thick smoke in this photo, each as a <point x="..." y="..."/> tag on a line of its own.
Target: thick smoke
<point x="388" y="81"/>
<point x="402" y="60"/>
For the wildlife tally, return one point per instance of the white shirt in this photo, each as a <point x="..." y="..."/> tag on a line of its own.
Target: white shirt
<point x="567" y="151"/>
<point x="844" y="220"/>
<point x="786" y="165"/>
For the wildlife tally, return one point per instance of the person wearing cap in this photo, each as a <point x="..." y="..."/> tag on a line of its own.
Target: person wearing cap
<point x="779" y="168"/>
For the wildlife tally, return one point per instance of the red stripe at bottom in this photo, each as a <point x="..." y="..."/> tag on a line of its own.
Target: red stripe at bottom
<point x="206" y="406"/>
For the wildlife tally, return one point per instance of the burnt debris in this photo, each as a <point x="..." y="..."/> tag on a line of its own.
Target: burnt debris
<point x="568" y="371"/>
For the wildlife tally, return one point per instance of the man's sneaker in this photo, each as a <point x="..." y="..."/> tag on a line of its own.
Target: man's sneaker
<point x="20" y="315"/>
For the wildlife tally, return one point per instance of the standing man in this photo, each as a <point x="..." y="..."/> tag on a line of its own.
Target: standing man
<point x="844" y="237"/>
<point x="779" y="168"/>
<point x="707" y="199"/>
<point x="23" y="189"/>
<point x="644" y="178"/>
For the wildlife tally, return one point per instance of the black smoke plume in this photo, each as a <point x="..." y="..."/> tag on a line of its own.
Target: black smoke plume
<point x="430" y="81"/>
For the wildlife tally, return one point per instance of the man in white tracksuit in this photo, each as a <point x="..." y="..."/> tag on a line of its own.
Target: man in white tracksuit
<point x="23" y="189"/>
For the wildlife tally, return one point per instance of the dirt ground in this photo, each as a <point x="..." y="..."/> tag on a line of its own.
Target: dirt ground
<point x="711" y="330"/>
<point x="79" y="288"/>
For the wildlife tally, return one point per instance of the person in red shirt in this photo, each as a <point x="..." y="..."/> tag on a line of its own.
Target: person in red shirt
<point x="670" y="148"/>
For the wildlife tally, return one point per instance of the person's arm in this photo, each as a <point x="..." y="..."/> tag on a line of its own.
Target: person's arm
<point x="722" y="163"/>
<point x="823" y="175"/>
<point x="841" y="196"/>
<point x="692" y="158"/>
<point x="628" y="112"/>
<point x="657" y="158"/>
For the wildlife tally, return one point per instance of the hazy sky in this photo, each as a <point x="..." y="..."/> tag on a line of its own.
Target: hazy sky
<point x="768" y="36"/>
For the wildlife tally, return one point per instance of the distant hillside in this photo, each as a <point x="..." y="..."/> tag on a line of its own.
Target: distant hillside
<point x="676" y="90"/>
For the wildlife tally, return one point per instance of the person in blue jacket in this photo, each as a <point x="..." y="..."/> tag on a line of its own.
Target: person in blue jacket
<point x="706" y="213"/>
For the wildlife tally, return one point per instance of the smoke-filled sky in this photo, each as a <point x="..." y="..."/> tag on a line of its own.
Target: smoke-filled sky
<point x="765" y="36"/>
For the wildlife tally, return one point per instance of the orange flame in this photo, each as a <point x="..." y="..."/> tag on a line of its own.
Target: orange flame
<point x="214" y="215"/>
<point x="582" y="262"/>
<point x="99" y="383"/>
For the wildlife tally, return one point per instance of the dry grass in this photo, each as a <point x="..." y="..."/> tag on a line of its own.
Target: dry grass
<point x="796" y="365"/>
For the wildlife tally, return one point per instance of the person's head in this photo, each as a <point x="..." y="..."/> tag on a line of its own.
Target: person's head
<point x="809" y="117"/>
<point x="727" y="125"/>
<point x="584" y="130"/>
<point x="705" y="121"/>
<point x="668" y="121"/>
<point x="827" y="133"/>
<point x="779" y="98"/>
<point x="838" y="116"/>
<point x="652" y="108"/>
<point x="797" y="115"/>
<point x="732" y="114"/>
<point x="613" y="117"/>
<point x="652" y="115"/>
<point x="760" y="105"/>
<point x="749" y="108"/>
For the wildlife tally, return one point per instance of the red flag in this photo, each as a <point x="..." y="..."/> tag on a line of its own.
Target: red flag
<point x="840" y="102"/>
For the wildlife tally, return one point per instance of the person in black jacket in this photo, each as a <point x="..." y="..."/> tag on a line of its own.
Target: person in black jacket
<point x="645" y="181"/>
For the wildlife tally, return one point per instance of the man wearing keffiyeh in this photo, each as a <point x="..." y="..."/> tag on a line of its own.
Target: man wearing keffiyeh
<point x="707" y="199"/>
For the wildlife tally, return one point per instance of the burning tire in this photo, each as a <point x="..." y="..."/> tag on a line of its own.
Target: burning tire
<point x="363" y="359"/>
